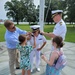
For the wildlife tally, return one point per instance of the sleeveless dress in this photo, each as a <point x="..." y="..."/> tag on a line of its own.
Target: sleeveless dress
<point x="51" y="70"/>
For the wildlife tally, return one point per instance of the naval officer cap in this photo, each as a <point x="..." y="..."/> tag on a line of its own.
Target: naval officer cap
<point x="34" y="27"/>
<point x="54" y="12"/>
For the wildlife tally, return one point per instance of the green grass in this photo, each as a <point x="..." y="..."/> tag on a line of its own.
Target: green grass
<point x="70" y="36"/>
<point x="2" y="32"/>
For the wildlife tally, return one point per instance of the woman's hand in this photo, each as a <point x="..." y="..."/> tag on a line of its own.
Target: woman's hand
<point x="28" y="35"/>
<point x="43" y="57"/>
<point x="41" y="32"/>
<point x="38" y="49"/>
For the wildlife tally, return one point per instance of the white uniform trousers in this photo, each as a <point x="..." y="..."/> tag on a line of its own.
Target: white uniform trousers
<point x="37" y="56"/>
<point x="13" y="59"/>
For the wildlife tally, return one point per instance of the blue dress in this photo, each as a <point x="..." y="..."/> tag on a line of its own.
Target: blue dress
<point x="24" y="56"/>
<point x="51" y="70"/>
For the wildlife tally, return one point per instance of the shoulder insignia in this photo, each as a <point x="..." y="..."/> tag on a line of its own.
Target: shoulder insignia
<point x="60" y="23"/>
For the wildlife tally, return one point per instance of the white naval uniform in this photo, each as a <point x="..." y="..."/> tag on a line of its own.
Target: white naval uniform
<point x="40" y="39"/>
<point x="60" y="29"/>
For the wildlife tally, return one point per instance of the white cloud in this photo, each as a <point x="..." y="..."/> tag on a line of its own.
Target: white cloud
<point x="36" y="2"/>
<point x="2" y="10"/>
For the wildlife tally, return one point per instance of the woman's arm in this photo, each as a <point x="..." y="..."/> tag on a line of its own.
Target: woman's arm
<point x="50" y="35"/>
<point x="41" y="46"/>
<point x="51" y="59"/>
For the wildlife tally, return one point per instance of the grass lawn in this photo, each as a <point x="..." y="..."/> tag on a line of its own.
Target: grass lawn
<point x="70" y="36"/>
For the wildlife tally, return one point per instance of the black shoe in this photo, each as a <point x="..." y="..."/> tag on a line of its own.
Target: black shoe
<point x="17" y="67"/>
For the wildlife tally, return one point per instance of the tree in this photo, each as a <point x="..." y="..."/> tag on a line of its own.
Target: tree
<point x="21" y="10"/>
<point x="70" y="10"/>
<point x="31" y="11"/>
<point x="13" y="9"/>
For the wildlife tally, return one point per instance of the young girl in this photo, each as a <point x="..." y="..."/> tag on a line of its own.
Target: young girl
<point x="50" y="69"/>
<point x="24" y="54"/>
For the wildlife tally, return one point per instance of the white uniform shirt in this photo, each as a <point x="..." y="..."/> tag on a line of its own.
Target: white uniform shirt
<point x="39" y="40"/>
<point x="60" y="29"/>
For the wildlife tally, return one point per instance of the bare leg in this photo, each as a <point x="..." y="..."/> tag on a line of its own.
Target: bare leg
<point x="28" y="72"/>
<point x="23" y="72"/>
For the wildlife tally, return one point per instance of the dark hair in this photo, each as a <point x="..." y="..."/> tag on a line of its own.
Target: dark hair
<point x="21" y="38"/>
<point x="7" y="23"/>
<point x="34" y="30"/>
<point x="59" y="41"/>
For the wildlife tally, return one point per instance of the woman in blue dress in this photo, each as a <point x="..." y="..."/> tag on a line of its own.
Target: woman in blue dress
<point x="50" y="69"/>
<point x="24" y="54"/>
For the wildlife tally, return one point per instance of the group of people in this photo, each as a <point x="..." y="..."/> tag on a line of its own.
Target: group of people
<point x="17" y="41"/>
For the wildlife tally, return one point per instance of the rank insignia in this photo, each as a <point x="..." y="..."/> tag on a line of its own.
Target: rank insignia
<point x="60" y="23"/>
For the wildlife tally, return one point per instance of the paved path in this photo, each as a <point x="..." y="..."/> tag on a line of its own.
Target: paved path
<point x="69" y="50"/>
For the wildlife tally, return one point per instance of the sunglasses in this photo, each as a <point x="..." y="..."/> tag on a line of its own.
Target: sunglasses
<point x="13" y="27"/>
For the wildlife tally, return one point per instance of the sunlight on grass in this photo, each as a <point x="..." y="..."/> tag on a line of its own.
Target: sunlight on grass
<point x="70" y="36"/>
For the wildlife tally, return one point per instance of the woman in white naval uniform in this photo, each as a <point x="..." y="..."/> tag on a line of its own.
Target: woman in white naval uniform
<point x="60" y="27"/>
<point x="40" y="43"/>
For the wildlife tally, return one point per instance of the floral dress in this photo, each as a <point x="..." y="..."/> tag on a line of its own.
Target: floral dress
<point x="51" y="70"/>
<point x="24" y="56"/>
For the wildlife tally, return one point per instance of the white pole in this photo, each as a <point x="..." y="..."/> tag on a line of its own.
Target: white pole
<point x="41" y="14"/>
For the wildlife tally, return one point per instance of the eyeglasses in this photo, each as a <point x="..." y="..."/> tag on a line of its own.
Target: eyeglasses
<point x="11" y="28"/>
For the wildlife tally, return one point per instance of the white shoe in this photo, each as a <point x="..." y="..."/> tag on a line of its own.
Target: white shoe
<point x="10" y="74"/>
<point x="31" y="70"/>
<point x="38" y="69"/>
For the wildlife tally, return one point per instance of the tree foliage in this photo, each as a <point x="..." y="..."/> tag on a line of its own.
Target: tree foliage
<point x="70" y="10"/>
<point x="21" y="10"/>
<point x="68" y="7"/>
<point x="25" y="10"/>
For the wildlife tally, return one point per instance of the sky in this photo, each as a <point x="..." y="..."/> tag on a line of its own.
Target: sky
<point x="3" y="12"/>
